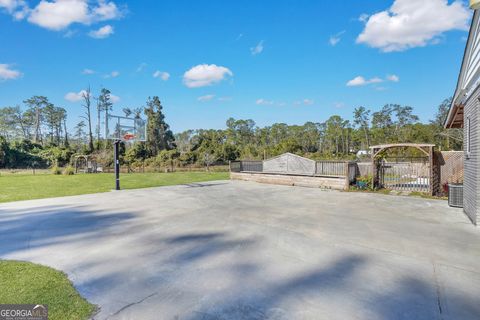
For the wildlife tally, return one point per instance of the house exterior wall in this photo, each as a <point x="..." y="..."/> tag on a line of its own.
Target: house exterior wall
<point x="471" y="182"/>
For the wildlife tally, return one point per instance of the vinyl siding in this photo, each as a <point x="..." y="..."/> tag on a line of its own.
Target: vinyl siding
<point x="471" y="197"/>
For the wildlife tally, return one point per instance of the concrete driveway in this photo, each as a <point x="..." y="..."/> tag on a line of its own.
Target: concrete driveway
<point x="240" y="250"/>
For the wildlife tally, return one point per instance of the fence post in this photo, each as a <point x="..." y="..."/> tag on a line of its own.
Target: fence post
<point x="347" y="175"/>
<point x="432" y="170"/>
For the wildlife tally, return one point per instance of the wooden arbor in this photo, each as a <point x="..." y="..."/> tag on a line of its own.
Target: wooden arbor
<point x="427" y="149"/>
<point x="85" y="164"/>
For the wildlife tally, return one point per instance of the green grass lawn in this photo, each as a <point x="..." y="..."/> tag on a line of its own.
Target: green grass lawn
<point x="28" y="283"/>
<point x="26" y="187"/>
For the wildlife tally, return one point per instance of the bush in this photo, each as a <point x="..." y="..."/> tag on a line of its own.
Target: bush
<point x="56" y="170"/>
<point x="57" y="155"/>
<point x="68" y="171"/>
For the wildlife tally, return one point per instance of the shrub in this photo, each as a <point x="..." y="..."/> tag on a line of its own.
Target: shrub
<point x="56" y="170"/>
<point x="68" y="171"/>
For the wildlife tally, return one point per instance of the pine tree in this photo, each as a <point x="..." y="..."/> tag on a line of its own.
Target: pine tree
<point x="159" y="135"/>
<point x="104" y="104"/>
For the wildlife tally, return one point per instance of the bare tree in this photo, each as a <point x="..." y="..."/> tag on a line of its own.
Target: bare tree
<point x="87" y="104"/>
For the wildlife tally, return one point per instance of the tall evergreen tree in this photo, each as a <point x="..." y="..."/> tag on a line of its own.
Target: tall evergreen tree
<point x="36" y="104"/>
<point x="104" y="104"/>
<point x="361" y="118"/>
<point x="159" y="135"/>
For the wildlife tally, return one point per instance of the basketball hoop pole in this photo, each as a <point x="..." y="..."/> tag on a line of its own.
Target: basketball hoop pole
<point x="116" y="159"/>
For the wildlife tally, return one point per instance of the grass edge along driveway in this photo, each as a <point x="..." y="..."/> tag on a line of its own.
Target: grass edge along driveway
<point x="28" y="187"/>
<point x="29" y="283"/>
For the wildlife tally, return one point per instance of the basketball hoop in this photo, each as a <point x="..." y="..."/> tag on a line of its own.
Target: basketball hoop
<point x="118" y="129"/>
<point x="125" y="128"/>
<point x="128" y="136"/>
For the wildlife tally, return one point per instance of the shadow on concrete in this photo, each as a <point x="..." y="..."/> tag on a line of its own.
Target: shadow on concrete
<point x="24" y="229"/>
<point x="268" y="305"/>
<point x="413" y="298"/>
<point x="409" y="297"/>
<point x="195" y="237"/>
<point x="192" y="247"/>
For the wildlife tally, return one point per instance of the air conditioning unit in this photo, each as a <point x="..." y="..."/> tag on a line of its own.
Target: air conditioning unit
<point x="455" y="195"/>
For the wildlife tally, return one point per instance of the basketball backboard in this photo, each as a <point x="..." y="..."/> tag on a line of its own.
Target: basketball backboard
<point x="125" y="128"/>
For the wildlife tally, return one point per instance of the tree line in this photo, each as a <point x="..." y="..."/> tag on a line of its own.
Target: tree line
<point x="36" y="134"/>
<point x="335" y="138"/>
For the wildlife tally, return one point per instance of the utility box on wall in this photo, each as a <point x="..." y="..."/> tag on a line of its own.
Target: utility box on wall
<point x="455" y="195"/>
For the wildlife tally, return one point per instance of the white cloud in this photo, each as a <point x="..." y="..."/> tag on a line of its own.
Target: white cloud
<point x="224" y="99"/>
<point x="205" y="75"/>
<point x="308" y="102"/>
<point x="69" y="33"/>
<point x="206" y="98"/>
<point x="162" y="75"/>
<point x="375" y="80"/>
<point x="17" y="8"/>
<point x="393" y="78"/>
<point x="336" y="38"/>
<point x="75" y="96"/>
<point x="361" y="81"/>
<point x="7" y="73"/>
<point x="257" y="49"/>
<point x="88" y="71"/>
<point x="263" y="102"/>
<point x="102" y="33"/>
<point x="141" y="67"/>
<point x="112" y="74"/>
<point x="114" y="98"/>
<point x="363" y="17"/>
<point x="78" y="96"/>
<point x="59" y="14"/>
<point x="408" y="24"/>
<point x="106" y="11"/>
<point x="339" y="105"/>
<point x="9" y="5"/>
<point x="357" y="81"/>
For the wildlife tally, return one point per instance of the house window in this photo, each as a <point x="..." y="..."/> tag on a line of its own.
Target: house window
<point x="468" y="138"/>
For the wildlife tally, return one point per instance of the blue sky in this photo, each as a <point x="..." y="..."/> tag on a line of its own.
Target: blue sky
<point x="271" y="61"/>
